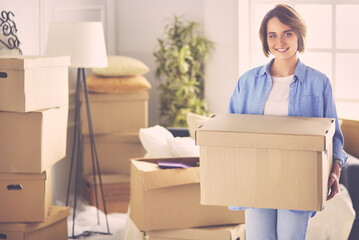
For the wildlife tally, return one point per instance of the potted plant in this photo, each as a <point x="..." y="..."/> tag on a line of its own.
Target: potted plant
<point x="180" y="57"/>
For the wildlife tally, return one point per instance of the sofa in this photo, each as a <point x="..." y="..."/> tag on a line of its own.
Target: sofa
<point x="350" y="172"/>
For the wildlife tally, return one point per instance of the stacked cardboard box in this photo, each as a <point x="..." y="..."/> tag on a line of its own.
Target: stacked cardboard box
<point x="54" y="227"/>
<point x="117" y="119"/>
<point x="225" y="232"/>
<point x="116" y="190"/>
<point x="33" y="136"/>
<point x="163" y="200"/>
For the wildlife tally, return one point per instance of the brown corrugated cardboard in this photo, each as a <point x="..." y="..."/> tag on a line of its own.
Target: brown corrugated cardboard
<point x="33" y="83"/>
<point x="350" y="129"/>
<point x="224" y="232"/>
<point x="114" y="152"/>
<point x="24" y="197"/>
<point x="116" y="190"/>
<point x="54" y="227"/>
<point x="170" y="198"/>
<point x="117" y="112"/>
<point x="265" y="161"/>
<point x="34" y="141"/>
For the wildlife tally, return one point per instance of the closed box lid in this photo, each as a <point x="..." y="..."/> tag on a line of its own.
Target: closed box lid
<point x="56" y="213"/>
<point x="262" y="131"/>
<point x="118" y="97"/>
<point x="108" y="178"/>
<point x="30" y="62"/>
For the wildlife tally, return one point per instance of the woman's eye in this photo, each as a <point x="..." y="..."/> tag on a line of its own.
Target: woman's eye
<point x="287" y="34"/>
<point x="272" y="36"/>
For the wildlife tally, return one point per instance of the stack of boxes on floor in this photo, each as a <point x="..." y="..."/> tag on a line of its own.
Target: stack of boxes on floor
<point x="119" y="108"/>
<point x="165" y="204"/>
<point x="33" y="136"/>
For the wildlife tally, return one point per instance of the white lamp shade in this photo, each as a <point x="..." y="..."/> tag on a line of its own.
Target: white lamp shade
<point x="83" y="41"/>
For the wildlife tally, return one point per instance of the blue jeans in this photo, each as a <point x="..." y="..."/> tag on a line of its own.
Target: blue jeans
<point x="276" y="224"/>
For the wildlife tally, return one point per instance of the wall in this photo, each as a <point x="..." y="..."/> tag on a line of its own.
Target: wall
<point x="221" y="26"/>
<point x="132" y="28"/>
<point x="140" y="23"/>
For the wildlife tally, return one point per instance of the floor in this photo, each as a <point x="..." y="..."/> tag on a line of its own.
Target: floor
<point x="86" y="220"/>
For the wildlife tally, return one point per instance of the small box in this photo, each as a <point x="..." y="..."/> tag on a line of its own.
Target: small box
<point x="54" y="227"/>
<point x="265" y="161"/>
<point x="116" y="112"/>
<point x="32" y="83"/>
<point x="24" y="197"/>
<point x="224" y="232"/>
<point x="170" y="198"/>
<point x="32" y="142"/>
<point x="116" y="190"/>
<point x="114" y="152"/>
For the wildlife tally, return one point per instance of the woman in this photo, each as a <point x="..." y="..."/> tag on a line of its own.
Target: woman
<point x="286" y="87"/>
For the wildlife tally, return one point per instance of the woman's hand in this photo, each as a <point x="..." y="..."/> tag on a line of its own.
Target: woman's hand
<point x="333" y="183"/>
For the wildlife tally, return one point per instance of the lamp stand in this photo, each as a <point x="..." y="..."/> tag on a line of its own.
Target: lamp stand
<point x="77" y="155"/>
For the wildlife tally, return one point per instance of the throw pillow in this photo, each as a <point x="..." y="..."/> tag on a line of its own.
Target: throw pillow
<point x="117" y="84"/>
<point x="122" y="66"/>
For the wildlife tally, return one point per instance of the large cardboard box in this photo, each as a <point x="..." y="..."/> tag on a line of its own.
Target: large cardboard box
<point x="116" y="112"/>
<point x="34" y="141"/>
<point x="24" y="197"/>
<point x="33" y="83"/>
<point x="170" y="198"/>
<point x="54" y="227"/>
<point x="114" y="152"/>
<point x="265" y="161"/>
<point x="224" y="232"/>
<point x="116" y="191"/>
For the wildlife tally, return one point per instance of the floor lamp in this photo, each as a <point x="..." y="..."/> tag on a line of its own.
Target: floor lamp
<point x="84" y="42"/>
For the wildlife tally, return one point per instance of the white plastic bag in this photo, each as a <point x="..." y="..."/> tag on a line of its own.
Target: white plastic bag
<point x="335" y="221"/>
<point x="183" y="147"/>
<point x="155" y="141"/>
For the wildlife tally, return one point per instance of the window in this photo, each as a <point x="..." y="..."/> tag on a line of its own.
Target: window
<point x="332" y="44"/>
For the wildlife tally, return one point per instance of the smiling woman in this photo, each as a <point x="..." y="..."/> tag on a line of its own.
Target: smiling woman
<point x="328" y="47"/>
<point x="286" y="87"/>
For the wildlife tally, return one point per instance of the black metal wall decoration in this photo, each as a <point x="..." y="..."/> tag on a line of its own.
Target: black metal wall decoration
<point x="9" y="30"/>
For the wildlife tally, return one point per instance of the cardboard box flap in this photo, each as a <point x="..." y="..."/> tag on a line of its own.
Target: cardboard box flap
<point x="155" y="178"/>
<point x="56" y="213"/>
<point x="260" y="131"/>
<point x="30" y="62"/>
<point x="108" y="178"/>
<point x="18" y="176"/>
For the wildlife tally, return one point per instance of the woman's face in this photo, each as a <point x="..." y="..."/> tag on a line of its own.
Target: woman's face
<point x="282" y="40"/>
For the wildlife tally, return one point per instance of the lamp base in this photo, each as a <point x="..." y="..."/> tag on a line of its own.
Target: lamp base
<point x="78" y="152"/>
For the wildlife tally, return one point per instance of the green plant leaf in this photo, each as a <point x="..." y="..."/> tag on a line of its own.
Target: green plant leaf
<point x="180" y="62"/>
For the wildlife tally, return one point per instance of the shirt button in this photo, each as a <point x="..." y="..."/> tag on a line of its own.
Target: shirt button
<point x="291" y="101"/>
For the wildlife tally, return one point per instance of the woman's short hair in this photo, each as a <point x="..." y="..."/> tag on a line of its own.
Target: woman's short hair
<point x="288" y="16"/>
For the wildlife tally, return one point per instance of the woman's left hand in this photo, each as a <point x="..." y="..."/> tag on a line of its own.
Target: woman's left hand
<point x="333" y="183"/>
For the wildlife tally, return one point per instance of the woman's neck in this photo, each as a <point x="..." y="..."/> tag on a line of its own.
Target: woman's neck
<point x="283" y="68"/>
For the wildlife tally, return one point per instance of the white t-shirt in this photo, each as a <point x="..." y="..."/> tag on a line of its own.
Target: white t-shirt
<point x="277" y="103"/>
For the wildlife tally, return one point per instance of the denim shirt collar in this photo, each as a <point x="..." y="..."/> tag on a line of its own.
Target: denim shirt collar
<point x="299" y="74"/>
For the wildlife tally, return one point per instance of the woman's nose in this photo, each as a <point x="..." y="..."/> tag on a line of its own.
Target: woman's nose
<point x="281" y="39"/>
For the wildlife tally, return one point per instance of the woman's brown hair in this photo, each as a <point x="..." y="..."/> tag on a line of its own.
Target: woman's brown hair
<point x="288" y="16"/>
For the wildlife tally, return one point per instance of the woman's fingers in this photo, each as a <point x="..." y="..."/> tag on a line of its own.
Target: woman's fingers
<point x="333" y="186"/>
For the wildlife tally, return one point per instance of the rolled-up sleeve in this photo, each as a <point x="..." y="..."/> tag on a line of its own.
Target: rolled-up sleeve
<point x="330" y="112"/>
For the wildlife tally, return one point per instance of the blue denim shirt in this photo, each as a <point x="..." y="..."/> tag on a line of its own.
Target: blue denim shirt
<point x="310" y="95"/>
